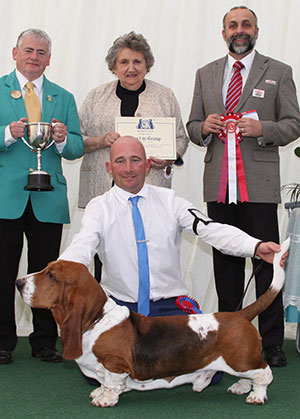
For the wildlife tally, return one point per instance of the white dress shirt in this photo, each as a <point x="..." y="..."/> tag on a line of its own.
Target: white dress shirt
<point x="107" y="228"/>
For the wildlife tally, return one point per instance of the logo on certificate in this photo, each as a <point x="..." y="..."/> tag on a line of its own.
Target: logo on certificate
<point x="145" y="124"/>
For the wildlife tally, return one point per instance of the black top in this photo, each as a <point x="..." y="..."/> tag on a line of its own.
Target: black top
<point x="129" y="99"/>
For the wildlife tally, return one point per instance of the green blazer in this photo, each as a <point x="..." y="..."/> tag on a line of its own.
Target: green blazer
<point x="17" y="159"/>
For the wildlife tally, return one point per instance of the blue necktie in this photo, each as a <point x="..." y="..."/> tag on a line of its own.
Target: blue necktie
<point x="143" y="299"/>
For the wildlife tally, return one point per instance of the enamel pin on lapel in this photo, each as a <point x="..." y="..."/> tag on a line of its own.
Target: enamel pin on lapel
<point x="16" y="94"/>
<point x="271" y="82"/>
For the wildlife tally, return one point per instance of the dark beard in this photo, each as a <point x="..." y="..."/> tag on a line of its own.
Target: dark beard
<point x="242" y="49"/>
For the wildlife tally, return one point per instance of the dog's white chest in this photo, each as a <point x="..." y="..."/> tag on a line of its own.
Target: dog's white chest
<point x="113" y="315"/>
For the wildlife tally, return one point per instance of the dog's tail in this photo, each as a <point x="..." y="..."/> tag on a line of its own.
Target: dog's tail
<point x="253" y="310"/>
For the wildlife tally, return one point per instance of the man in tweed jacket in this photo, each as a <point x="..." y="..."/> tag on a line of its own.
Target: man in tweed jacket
<point x="269" y="91"/>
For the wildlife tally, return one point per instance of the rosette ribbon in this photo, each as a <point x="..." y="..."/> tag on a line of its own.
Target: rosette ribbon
<point x="232" y="171"/>
<point x="188" y="304"/>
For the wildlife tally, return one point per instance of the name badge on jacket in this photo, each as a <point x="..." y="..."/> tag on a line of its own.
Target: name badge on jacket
<point x="258" y="93"/>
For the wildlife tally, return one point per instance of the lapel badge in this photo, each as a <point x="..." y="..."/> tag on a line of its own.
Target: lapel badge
<point x="16" y="94"/>
<point x="49" y="98"/>
<point x="258" y="93"/>
<point x="271" y="82"/>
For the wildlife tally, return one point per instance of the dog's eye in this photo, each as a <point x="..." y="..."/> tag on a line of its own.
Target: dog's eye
<point x="51" y="276"/>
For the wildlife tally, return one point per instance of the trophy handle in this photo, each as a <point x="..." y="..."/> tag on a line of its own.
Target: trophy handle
<point x="49" y="145"/>
<point x="25" y="142"/>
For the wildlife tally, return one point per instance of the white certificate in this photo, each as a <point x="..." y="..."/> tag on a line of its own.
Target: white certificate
<point x="158" y="135"/>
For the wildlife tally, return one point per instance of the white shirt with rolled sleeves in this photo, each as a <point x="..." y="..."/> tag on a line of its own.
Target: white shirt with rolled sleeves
<point x="107" y="228"/>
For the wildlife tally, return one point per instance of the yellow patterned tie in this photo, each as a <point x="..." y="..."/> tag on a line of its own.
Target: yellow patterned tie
<point x="32" y="104"/>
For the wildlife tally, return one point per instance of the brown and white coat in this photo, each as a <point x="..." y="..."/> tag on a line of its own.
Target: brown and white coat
<point x="125" y="351"/>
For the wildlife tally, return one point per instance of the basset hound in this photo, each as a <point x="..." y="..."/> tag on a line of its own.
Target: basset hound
<point x="124" y="351"/>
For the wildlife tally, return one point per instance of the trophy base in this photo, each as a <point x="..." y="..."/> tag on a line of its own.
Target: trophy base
<point x="39" y="181"/>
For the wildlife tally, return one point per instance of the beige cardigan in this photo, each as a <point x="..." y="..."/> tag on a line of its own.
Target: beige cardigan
<point x="97" y="117"/>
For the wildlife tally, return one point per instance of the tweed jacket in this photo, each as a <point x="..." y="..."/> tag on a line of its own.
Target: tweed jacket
<point x="17" y="160"/>
<point x="97" y="117"/>
<point x="277" y="109"/>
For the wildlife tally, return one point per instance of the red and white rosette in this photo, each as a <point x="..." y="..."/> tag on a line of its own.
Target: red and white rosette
<point x="232" y="171"/>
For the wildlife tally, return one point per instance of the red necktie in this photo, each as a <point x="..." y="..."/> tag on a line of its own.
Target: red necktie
<point x="235" y="87"/>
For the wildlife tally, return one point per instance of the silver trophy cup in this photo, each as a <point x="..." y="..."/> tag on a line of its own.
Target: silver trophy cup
<point x="38" y="134"/>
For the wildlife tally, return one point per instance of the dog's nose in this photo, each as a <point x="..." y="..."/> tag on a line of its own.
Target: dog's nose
<point x="20" y="284"/>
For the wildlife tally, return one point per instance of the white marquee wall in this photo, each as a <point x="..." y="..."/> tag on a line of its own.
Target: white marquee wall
<point x="184" y="35"/>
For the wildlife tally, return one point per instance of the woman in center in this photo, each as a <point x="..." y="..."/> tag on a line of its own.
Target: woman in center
<point x="130" y="59"/>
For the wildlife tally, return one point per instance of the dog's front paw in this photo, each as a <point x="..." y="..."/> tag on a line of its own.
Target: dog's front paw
<point x="257" y="397"/>
<point x="104" y="397"/>
<point x="96" y="393"/>
<point x="243" y="386"/>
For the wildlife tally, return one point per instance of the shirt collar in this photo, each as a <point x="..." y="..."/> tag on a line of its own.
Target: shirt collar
<point x="123" y="196"/>
<point x="247" y="60"/>
<point x="23" y="80"/>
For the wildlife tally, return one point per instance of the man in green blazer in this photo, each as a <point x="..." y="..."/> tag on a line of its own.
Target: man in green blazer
<point x="39" y="215"/>
<point x="271" y="119"/>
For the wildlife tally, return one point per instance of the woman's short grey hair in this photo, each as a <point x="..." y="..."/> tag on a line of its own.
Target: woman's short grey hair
<point x="38" y="33"/>
<point x="133" y="41"/>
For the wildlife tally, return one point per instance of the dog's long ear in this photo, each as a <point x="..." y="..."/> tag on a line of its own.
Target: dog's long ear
<point x="71" y="328"/>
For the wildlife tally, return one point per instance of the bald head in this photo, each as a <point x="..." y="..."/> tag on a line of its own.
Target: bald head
<point x="128" y="164"/>
<point x="125" y="142"/>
